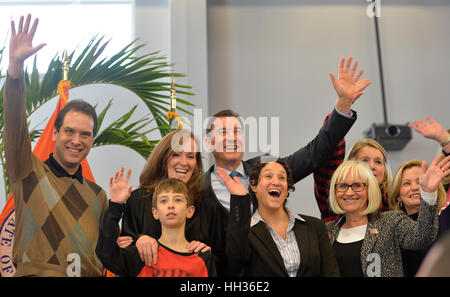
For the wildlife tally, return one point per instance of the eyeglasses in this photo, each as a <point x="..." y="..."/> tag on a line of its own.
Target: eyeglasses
<point x="356" y="187"/>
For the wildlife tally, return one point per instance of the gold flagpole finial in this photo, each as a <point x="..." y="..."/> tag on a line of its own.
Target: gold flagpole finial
<point x="66" y="62"/>
<point x="173" y="98"/>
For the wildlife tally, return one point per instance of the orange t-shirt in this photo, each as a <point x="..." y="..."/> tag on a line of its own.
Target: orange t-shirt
<point x="175" y="264"/>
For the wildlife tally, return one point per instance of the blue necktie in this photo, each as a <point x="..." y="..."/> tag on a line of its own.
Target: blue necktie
<point x="233" y="174"/>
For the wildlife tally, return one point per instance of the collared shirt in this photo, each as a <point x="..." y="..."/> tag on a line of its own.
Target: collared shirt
<point x="288" y="248"/>
<point x="221" y="190"/>
<point x="61" y="172"/>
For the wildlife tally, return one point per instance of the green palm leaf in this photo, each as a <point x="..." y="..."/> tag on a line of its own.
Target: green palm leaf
<point x="148" y="76"/>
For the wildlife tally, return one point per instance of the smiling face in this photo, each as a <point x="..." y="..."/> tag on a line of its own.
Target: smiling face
<point x="226" y="141"/>
<point x="272" y="188"/>
<point x="409" y="193"/>
<point x="351" y="202"/>
<point x="183" y="161"/>
<point x="374" y="159"/>
<point x="171" y="209"/>
<point x="74" y="140"/>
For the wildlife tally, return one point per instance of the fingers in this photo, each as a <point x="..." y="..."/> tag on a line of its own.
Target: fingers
<point x="13" y="29"/>
<point x="20" y="29"/>
<point x="359" y="74"/>
<point x="423" y="168"/>
<point x="346" y="69"/>
<point x="347" y="66"/>
<point x="154" y="247"/>
<point x="33" y="28"/>
<point x="197" y="246"/>
<point x="124" y="241"/>
<point x="355" y="65"/>
<point x="431" y="120"/>
<point x="419" y="126"/>
<point x="37" y="48"/>
<point x="444" y="164"/>
<point x="436" y="161"/>
<point x="333" y="79"/>
<point x="27" y="24"/>
<point x="127" y="177"/>
<point x="148" y="249"/>
<point x="341" y="66"/>
<point x="223" y="175"/>
<point x="119" y="176"/>
<point x="121" y="173"/>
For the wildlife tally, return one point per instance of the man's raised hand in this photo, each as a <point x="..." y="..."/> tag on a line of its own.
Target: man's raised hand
<point x="21" y="45"/>
<point x="348" y="86"/>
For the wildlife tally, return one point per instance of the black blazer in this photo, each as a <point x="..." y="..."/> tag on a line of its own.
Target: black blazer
<point x="214" y="217"/>
<point x="251" y="251"/>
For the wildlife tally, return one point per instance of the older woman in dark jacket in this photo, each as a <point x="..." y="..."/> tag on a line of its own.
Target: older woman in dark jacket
<point x="368" y="243"/>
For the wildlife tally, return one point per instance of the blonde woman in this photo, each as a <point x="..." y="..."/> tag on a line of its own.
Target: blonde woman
<point x="405" y="196"/>
<point x="371" y="152"/>
<point x="366" y="150"/>
<point x="367" y="242"/>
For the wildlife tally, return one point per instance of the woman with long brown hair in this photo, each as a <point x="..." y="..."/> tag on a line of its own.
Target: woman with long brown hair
<point x="177" y="155"/>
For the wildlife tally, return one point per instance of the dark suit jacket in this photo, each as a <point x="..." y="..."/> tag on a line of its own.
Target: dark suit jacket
<point x="214" y="217"/>
<point x="251" y="251"/>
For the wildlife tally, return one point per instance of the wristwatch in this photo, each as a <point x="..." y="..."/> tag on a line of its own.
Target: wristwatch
<point x="445" y="142"/>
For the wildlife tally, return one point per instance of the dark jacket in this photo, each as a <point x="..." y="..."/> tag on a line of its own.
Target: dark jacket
<point x="214" y="217"/>
<point x="387" y="234"/>
<point x="251" y="251"/>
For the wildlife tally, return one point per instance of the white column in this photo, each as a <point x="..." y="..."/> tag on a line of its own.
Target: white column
<point x="188" y="49"/>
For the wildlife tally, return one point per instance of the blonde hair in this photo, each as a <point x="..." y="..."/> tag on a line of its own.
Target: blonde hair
<point x="387" y="179"/>
<point x="394" y="192"/>
<point x="361" y="170"/>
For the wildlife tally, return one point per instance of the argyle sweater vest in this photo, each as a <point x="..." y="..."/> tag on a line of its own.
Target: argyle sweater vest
<point x="57" y="223"/>
<point x="57" y="218"/>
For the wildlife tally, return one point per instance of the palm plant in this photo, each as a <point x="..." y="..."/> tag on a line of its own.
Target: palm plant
<point x="145" y="75"/>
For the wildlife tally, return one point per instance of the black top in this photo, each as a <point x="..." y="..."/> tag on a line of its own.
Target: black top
<point x="348" y="257"/>
<point x="61" y="172"/>
<point x="412" y="259"/>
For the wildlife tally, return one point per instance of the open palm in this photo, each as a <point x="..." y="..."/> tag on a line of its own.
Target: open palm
<point x="119" y="190"/>
<point x="431" y="176"/>
<point x="21" y="42"/>
<point x="347" y="85"/>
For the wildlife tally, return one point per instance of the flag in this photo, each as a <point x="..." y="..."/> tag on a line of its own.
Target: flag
<point x="43" y="148"/>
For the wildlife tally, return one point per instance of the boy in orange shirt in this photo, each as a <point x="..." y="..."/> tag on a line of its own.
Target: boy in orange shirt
<point x="172" y="205"/>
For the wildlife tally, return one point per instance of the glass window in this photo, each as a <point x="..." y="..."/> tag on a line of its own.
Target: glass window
<point x="66" y="25"/>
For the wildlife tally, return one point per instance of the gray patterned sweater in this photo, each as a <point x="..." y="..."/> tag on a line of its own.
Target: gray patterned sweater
<point x="387" y="235"/>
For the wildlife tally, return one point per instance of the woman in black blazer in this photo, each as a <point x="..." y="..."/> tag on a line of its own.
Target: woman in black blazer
<point x="273" y="241"/>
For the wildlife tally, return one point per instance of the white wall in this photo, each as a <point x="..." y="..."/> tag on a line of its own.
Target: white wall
<point x="271" y="58"/>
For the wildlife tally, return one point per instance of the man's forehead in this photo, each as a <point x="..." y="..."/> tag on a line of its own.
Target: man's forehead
<point x="226" y="122"/>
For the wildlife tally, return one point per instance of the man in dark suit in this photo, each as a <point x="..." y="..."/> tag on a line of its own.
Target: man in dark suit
<point x="226" y="142"/>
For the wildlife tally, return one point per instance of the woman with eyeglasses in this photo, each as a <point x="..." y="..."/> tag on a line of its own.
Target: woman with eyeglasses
<point x="368" y="242"/>
<point x="365" y="150"/>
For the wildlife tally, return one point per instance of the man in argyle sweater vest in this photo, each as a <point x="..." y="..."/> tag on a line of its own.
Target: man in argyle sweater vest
<point x="58" y="212"/>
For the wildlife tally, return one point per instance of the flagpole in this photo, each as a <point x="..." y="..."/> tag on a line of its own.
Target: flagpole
<point x="172" y="115"/>
<point x="66" y="62"/>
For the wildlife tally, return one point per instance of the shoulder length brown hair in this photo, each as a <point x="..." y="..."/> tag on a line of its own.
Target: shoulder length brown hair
<point x="155" y="169"/>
